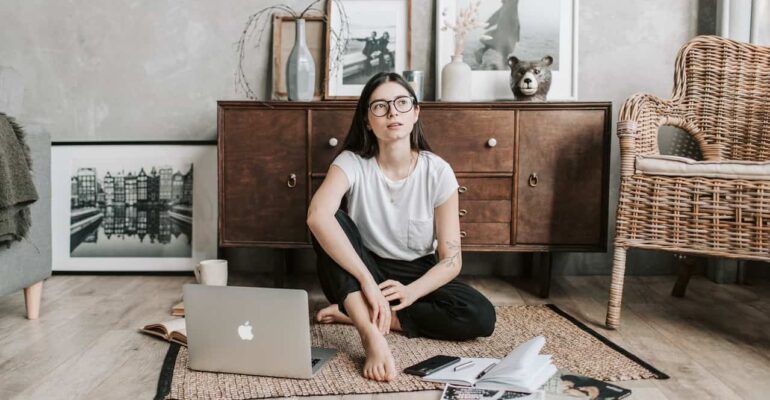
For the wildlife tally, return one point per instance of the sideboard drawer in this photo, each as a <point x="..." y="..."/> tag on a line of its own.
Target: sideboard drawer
<point x="461" y="137"/>
<point x="485" y="211"/>
<point x="485" y="233"/>
<point x="328" y="129"/>
<point x="485" y="188"/>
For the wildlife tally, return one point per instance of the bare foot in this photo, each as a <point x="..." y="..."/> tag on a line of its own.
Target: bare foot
<point x="332" y="314"/>
<point x="379" y="365"/>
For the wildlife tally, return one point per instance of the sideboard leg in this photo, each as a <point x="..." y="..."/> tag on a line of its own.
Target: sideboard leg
<point x="529" y="265"/>
<point x="541" y="266"/>
<point x="686" y="270"/>
<point x="279" y="272"/>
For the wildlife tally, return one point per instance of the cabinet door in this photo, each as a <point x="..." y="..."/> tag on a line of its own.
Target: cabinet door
<point x="560" y="174"/>
<point x="264" y="176"/>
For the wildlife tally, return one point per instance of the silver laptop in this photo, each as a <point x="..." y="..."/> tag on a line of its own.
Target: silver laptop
<point x="247" y="330"/>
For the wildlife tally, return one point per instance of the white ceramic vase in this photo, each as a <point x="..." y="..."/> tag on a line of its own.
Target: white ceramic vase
<point x="456" y="80"/>
<point x="300" y="67"/>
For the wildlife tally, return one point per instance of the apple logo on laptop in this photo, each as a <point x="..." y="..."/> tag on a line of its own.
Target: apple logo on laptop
<point x="244" y="331"/>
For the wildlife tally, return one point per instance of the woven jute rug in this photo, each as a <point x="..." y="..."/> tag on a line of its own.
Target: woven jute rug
<point x="573" y="346"/>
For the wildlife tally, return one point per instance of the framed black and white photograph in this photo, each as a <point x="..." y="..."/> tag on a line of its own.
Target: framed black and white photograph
<point x="365" y="37"/>
<point x="133" y="206"/>
<point x="527" y="29"/>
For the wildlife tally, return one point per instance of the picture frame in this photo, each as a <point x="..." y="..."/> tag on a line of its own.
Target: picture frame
<point x="133" y="206"/>
<point x="283" y="41"/>
<point x="544" y="26"/>
<point x="362" y="55"/>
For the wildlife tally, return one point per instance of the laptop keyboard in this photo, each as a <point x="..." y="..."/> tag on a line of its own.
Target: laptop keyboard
<point x="314" y="362"/>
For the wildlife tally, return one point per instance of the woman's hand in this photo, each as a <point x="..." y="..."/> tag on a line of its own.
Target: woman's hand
<point x="380" y="309"/>
<point x="394" y="290"/>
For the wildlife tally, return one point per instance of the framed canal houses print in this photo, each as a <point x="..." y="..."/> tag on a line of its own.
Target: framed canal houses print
<point x="133" y="206"/>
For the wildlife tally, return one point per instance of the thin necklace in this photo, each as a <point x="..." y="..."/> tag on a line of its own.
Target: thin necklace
<point x="393" y="193"/>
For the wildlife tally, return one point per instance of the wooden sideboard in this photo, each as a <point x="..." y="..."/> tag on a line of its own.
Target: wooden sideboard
<point x="533" y="176"/>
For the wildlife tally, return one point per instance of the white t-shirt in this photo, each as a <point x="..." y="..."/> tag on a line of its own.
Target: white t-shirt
<point x="395" y="218"/>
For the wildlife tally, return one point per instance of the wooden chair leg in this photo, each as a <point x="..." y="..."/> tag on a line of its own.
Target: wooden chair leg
<point x="32" y="297"/>
<point x="686" y="269"/>
<point x="616" y="288"/>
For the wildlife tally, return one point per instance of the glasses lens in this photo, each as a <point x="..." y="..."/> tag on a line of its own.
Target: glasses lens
<point x="403" y="104"/>
<point x="379" y="108"/>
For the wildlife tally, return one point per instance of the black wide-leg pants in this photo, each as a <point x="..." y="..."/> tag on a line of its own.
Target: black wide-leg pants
<point x="454" y="311"/>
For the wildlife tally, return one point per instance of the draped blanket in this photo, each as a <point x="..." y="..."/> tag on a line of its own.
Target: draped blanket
<point x="17" y="191"/>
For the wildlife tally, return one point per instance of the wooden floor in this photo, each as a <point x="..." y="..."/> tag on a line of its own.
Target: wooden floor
<point x="715" y="343"/>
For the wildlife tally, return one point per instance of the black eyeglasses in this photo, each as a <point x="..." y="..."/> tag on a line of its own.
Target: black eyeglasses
<point x="402" y="104"/>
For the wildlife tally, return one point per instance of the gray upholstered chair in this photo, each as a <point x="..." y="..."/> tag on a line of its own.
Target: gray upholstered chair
<point x="26" y="264"/>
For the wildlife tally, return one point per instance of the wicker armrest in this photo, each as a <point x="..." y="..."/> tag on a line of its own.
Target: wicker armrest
<point x="639" y="120"/>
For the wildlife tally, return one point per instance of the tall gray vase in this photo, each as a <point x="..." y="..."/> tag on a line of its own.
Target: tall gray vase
<point x="300" y="68"/>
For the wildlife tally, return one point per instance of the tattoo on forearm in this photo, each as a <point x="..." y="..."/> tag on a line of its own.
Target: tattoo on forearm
<point x="454" y="251"/>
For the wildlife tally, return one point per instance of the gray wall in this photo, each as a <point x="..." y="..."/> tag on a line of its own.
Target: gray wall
<point x="118" y="70"/>
<point x="627" y="47"/>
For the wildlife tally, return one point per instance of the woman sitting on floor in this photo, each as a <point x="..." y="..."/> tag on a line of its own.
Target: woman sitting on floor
<point x="401" y="199"/>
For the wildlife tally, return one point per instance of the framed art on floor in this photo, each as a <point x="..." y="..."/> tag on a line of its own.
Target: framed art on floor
<point x="527" y="29"/>
<point x="365" y="37"/>
<point x="133" y="206"/>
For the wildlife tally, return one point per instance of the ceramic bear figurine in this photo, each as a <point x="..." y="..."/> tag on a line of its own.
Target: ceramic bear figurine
<point x="530" y="80"/>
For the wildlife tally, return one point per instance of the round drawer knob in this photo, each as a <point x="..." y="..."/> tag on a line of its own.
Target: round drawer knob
<point x="463" y="212"/>
<point x="333" y="142"/>
<point x="462" y="189"/>
<point x="492" y="142"/>
<point x="463" y="234"/>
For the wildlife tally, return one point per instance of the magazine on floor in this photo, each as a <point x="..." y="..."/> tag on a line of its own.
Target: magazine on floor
<point x="523" y="370"/>
<point x="568" y="386"/>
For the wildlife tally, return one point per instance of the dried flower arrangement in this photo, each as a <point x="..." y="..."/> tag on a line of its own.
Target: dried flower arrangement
<point x="258" y="22"/>
<point x="466" y="21"/>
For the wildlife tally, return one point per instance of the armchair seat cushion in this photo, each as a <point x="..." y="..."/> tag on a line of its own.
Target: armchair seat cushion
<point x="681" y="166"/>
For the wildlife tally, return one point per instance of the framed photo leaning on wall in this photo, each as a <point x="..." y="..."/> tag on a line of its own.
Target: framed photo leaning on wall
<point x="376" y="37"/>
<point x="133" y="206"/>
<point x="532" y="28"/>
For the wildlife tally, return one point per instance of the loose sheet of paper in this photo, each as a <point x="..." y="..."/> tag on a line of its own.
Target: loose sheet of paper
<point x="452" y="392"/>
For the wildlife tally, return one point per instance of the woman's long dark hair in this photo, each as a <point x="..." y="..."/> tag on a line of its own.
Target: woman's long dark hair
<point x="361" y="140"/>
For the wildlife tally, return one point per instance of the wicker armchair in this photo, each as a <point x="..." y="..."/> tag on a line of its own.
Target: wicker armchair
<point x="717" y="207"/>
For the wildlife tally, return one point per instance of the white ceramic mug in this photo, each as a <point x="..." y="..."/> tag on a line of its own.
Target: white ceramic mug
<point x="211" y="272"/>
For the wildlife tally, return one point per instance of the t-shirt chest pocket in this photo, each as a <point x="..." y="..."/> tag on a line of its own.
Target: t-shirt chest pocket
<point x="420" y="234"/>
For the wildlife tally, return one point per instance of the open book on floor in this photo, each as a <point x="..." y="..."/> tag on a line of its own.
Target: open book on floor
<point x="172" y="330"/>
<point x="523" y="370"/>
